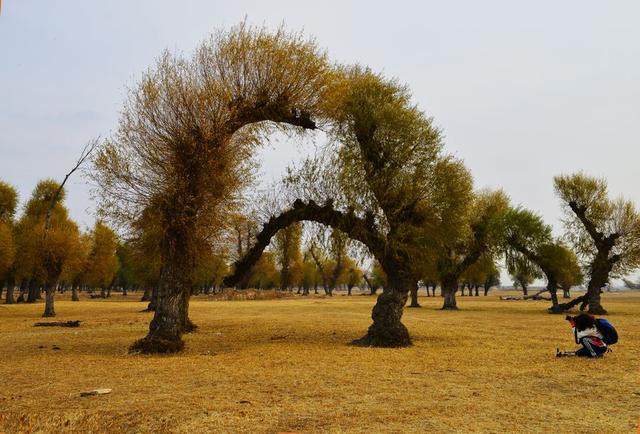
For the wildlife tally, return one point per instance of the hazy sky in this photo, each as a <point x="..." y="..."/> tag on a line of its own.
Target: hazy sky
<point x="522" y="90"/>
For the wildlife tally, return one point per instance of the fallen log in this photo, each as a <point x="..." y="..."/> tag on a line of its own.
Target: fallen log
<point x="96" y="392"/>
<point x="58" y="324"/>
<point x="563" y="307"/>
<point x="536" y="296"/>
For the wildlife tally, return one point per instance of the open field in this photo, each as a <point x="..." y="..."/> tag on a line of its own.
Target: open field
<point x="283" y="365"/>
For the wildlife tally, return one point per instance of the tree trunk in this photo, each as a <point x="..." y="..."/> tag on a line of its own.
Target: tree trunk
<point x="153" y="300"/>
<point x="167" y="325"/>
<point x="124" y="291"/>
<point x="23" y="289"/>
<point x="32" y="295"/>
<point x="387" y="330"/>
<point x="552" y="286"/>
<point x="566" y="293"/>
<point x="599" y="276"/>
<point x="49" y="310"/>
<point x="349" y="288"/>
<point x="449" y="287"/>
<point x="414" y="296"/>
<point x="486" y="290"/>
<point x="524" y="289"/>
<point x="146" y="295"/>
<point x="477" y="288"/>
<point x="11" y="283"/>
<point x="171" y="317"/>
<point x="74" y="293"/>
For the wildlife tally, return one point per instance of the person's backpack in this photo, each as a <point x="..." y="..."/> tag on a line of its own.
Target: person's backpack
<point x="609" y="333"/>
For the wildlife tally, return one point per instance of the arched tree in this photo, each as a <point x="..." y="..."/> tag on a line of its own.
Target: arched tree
<point x="185" y="142"/>
<point x="377" y="185"/>
<point x="604" y="232"/>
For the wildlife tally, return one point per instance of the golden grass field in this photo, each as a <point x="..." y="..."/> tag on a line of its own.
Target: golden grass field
<point x="284" y="365"/>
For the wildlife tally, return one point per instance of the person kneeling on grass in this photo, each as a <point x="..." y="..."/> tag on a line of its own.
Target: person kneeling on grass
<point x="595" y="335"/>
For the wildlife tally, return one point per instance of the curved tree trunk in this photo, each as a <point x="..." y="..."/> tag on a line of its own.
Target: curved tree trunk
<point x="387" y="330"/>
<point x="599" y="277"/>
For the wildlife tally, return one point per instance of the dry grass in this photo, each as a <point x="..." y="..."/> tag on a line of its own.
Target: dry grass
<point x="283" y="365"/>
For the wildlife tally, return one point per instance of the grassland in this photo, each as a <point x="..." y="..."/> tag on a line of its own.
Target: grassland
<point x="284" y="365"/>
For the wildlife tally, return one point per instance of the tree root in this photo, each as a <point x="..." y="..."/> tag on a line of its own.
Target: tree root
<point x="156" y="345"/>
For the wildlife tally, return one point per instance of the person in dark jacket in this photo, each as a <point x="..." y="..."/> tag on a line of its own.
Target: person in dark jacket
<point x="586" y="333"/>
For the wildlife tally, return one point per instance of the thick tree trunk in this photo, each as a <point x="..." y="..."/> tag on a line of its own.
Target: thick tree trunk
<point x="49" y="310"/>
<point x="486" y="290"/>
<point x="387" y="330"/>
<point x="75" y="296"/>
<point x="524" y="290"/>
<point x="600" y="269"/>
<point x="171" y="319"/>
<point x="414" y="296"/>
<point x="349" y="288"/>
<point x="599" y="277"/>
<point x="32" y="295"/>
<point x="168" y="323"/>
<point x="566" y="293"/>
<point x="449" y="288"/>
<point x="477" y="288"/>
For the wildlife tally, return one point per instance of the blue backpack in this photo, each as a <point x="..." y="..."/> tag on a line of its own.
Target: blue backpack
<point x="609" y="333"/>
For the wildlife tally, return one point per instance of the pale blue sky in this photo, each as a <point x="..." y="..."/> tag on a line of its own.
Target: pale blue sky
<point x="522" y="90"/>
